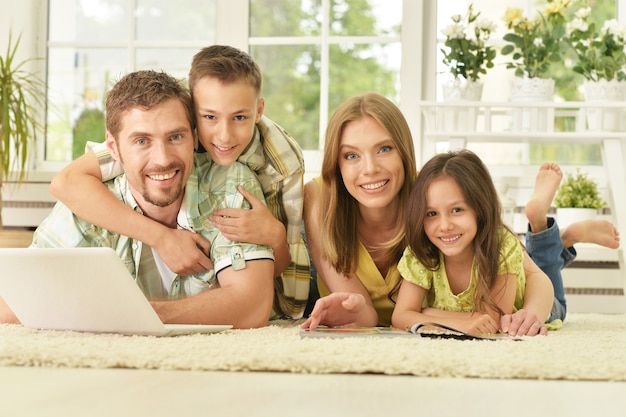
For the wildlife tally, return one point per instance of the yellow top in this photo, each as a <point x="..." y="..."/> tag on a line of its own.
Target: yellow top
<point x="377" y="286"/>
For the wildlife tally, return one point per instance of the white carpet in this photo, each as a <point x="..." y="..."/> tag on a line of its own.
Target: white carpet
<point x="589" y="347"/>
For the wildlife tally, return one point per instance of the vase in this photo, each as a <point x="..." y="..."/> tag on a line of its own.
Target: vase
<point x="531" y="90"/>
<point x="568" y="215"/>
<point x="603" y="91"/>
<point x="460" y="118"/>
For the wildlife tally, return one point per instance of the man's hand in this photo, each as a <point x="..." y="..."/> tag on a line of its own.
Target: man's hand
<point x="256" y="225"/>
<point x="522" y="323"/>
<point x="184" y="252"/>
<point x="336" y="309"/>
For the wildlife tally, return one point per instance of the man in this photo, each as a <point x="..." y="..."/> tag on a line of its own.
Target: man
<point x="149" y="118"/>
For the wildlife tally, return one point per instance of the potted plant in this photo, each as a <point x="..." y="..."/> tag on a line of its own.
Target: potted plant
<point x="21" y="95"/>
<point x="601" y="60"/>
<point x="533" y="45"/>
<point x="577" y="198"/>
<point x="467" y="54"/>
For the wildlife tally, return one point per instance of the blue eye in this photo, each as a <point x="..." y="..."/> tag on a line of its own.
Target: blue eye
<point x="141" y="141"/>
<point x="386" y="148"/>
<point x="350" y="156"/>
<point x="177" y="137"/>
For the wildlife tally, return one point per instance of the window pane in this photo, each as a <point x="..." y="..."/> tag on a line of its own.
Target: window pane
<point x="365" y="17"/>
<point x="285" y="17"/>
<point x="358" y="68"/>
<point x="88" y="20"/>
<point x="291" y="88"/>
<point x="175" y="61"/>
<point x="166" y="20"/>
<point x="78" y="80"/>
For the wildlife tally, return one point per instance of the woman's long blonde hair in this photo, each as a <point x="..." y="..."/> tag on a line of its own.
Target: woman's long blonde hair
<point x="339" y="212"/>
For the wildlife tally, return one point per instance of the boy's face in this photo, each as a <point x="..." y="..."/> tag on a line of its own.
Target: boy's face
<point x="226" y="114"/>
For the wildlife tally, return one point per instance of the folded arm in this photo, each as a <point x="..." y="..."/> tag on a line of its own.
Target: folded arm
<point x="408" y="312"/>
<point x="243" y="299"/>
<point x="538" y="300"/>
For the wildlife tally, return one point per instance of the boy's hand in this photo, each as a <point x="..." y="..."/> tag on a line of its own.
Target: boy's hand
<point x="184" y="252"/>
<point x="256" y="225"/>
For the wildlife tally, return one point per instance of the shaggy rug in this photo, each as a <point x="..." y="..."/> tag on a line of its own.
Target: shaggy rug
<point x="588" y="347"/>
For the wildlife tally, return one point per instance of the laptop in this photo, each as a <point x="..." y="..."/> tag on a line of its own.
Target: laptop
<point x="81" y="289"/>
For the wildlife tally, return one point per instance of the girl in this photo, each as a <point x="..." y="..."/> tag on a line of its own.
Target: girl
<point x="461" y="260"/>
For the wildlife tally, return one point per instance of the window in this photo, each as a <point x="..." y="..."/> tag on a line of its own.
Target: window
<point x="314" y="54"/>
<point x="91" y="43"/>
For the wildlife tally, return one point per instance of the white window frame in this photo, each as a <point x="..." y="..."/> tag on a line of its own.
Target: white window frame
<point x="417" y="68"/>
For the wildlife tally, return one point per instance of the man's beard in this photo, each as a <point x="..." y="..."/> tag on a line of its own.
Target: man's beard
<point x="171" y="195"/>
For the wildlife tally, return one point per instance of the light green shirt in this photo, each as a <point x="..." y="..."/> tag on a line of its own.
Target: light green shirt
<point x="438" y="292"/>
<point x="208" y="188"/>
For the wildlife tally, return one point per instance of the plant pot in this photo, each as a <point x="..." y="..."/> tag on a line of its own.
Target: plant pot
<point x="461" y="118"/>
<point x="603" y="91"/>
<point x="567" y="216"/>
<point x="529" y="90"/>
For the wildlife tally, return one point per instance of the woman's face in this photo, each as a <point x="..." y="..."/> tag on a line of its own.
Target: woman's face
<point x="370" y="163"/>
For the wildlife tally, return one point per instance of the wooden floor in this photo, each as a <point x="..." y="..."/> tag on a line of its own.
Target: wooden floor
<point x="15" y="238"/>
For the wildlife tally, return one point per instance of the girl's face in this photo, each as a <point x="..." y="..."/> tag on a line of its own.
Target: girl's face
<point x="370" y="163"/>
<point x="450" y="223"/>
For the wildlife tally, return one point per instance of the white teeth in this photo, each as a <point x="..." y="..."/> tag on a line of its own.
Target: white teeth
<point x="223" y="148"/>
<point x="375" y="185"/>
<point x="162" y="177"/>
<point x="450" y="239"/>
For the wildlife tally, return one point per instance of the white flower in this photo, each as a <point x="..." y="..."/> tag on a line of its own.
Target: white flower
<point x="583" y="13"/>
<point x="577" y="24"/>
<point x="485" y="25"/>
<point x="538" y="42"/>
<point x="454" y="31"/>
<point x="612" y="27"/>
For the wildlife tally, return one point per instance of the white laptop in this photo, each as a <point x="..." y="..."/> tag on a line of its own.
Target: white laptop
<point x="81" y="289"/>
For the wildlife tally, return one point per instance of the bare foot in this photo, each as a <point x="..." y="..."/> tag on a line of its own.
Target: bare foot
<point x="547" y="182"/>
<point x="600" y="232"/>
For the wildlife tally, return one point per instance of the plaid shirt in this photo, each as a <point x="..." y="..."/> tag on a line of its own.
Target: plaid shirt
<point x="209" y="187"/>
<point x="277" y="160"/>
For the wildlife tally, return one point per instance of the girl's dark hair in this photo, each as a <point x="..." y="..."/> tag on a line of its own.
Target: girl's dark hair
<point x="472" y="176"/>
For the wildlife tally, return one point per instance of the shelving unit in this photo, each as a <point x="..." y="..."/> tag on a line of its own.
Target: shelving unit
<point x="459" y="123"/>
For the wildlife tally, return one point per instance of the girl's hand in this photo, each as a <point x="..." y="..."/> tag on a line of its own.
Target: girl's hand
<point x="482" y="324"/>
<point x="522" y="323"/>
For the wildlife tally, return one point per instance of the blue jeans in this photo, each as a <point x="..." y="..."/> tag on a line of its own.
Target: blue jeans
<point x="547" y="251"/>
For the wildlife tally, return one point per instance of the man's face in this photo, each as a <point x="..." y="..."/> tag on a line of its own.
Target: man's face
<point x="155" y="148"/>
<point x="226" y="115"/>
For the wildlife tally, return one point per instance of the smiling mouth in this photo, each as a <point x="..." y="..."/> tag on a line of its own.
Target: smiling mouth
<point x="223" y="148"/>
<point x="450" y="239"/>
<point x="375" y="185"/>
<point x="162" y="177"/>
